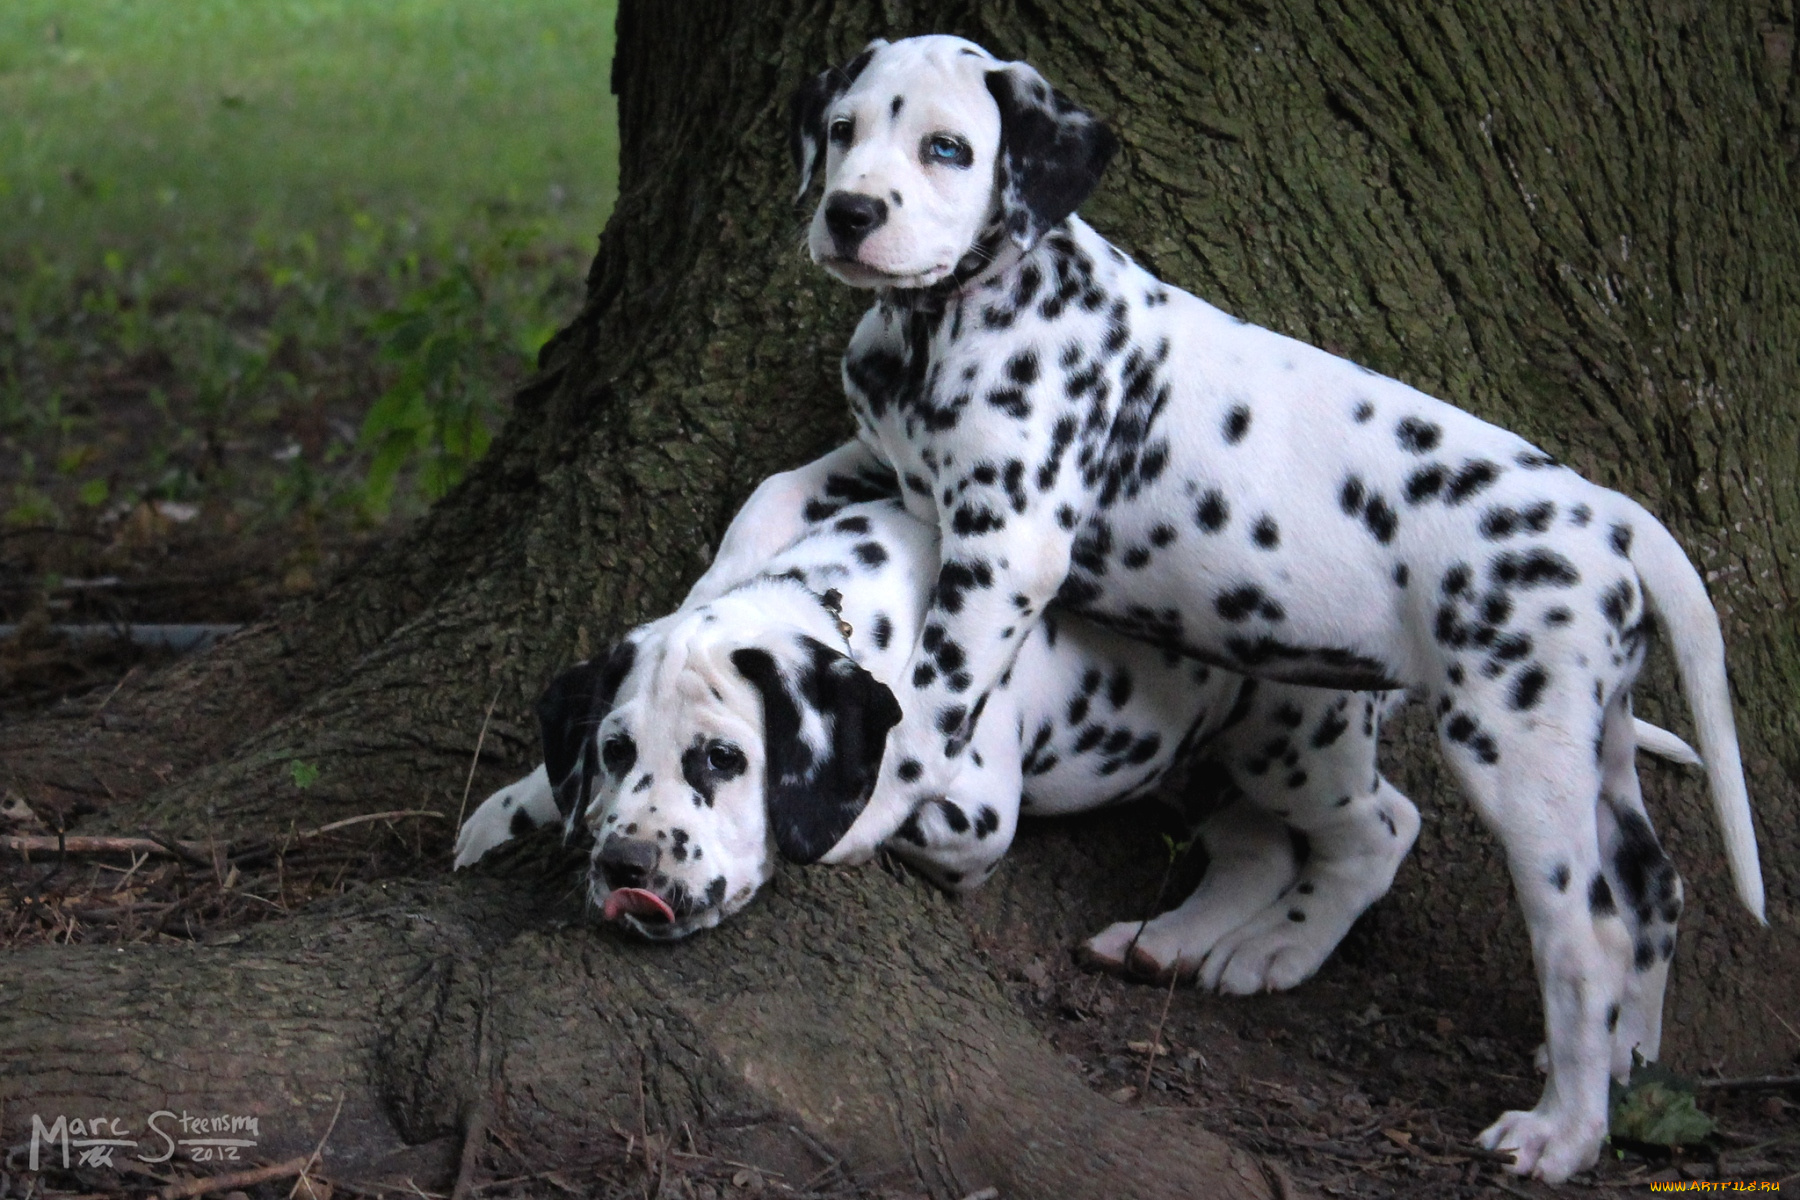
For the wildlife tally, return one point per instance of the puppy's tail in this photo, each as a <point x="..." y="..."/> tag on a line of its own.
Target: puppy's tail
<point x="1675" y="588"/>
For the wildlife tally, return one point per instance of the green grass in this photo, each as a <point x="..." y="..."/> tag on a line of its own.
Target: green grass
<point x="280" y="260"/>
<point x="189" y="127"/>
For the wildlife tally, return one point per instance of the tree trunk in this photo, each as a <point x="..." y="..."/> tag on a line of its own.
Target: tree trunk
<point x="1576" y="220"/>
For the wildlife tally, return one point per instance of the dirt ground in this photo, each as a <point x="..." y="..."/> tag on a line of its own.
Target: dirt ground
<point x="1359" y="1083"/>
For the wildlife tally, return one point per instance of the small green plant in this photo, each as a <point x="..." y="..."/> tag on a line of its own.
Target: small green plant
<point x="458" y="347"/>
<point x="304" y="774"/>
<point x="1657" y="1108"/>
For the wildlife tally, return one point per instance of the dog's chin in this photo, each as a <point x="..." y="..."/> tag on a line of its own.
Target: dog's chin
<point x="862" y="275"/>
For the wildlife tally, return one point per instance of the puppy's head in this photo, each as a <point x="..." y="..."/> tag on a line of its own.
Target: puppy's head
<point x="738" y="733"/>
<point x="926" y="146"/>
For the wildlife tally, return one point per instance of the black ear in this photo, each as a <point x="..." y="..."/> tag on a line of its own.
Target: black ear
<point x="806" y="113"/>
<point x="575" y="702"/>
<point x="815" y="792"/>
<point x="1052" y="153"/>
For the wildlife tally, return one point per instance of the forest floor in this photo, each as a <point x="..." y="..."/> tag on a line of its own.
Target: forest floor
<point x="237" y="351"/>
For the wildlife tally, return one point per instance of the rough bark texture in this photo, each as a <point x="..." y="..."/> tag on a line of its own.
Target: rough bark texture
<point x="1574" y="219"/>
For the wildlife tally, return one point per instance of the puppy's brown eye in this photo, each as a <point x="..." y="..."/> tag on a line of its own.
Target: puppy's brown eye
<point x="618" y="753"/>
<point x="725" y="758"/>
<point x="842" y="131"/>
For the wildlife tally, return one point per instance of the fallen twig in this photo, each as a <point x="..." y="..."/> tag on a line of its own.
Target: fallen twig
<point x="195" y="853"/>
<point x="319" y="1149"/>
<point x="28" y="843"/>
<point x="475" y="759"/>
<point x="395" y="815"/>
<point x="236" y="1180"/>
<point x="1749" y="1083"/>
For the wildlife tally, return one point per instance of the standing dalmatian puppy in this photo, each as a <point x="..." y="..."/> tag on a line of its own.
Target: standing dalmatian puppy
<point x="1078" y="430"/>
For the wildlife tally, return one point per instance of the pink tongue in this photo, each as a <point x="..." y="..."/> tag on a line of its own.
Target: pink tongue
<point x="638" y="903"/>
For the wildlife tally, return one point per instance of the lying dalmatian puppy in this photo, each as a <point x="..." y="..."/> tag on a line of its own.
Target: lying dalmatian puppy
<point x="749" y="724"/>
<point x="1081" y="431"/>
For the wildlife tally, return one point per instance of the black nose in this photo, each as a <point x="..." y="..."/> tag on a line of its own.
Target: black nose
<point x="851" y="217"/>
<point x="627" y="862"/>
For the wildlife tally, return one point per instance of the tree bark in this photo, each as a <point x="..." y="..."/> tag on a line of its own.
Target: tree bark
<point x="1576" y="220"/>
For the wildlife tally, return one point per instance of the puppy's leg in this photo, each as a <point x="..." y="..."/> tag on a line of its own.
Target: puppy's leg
<point x="1250" y="863"/>
<point x="513" y="811"/>
<point x="783" y="507"/>
<point x="1537" y="785"/>
<point x="1646" y="885"/>
<point x="957" y="840"/>
<point x="1318" y="777"/>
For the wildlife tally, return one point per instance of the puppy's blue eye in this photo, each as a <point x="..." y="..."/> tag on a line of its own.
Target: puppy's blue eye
<point x="947" y="150"/>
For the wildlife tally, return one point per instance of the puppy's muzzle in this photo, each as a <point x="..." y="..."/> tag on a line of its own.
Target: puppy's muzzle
<point x="850" y="217"/>
<point x="627" y="862"/>
<point x="625" y="865"/>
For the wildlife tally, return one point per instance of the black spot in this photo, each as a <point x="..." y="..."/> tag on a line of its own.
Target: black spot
<point x="1559" y="878"/>
<point x="1118" y="688"/>
<point x="852" y="525"/>
<point x="1240" y="602"/>
<point x="1010" y="401"/>
<point x="1237" y="424"/>
<point x="910" y="770"/>
<point x="1558" y="616"/>
<point x="1474" y="478"/>
<point x="1401" y="575"/>
<point x="1351" y="497"/>
<point x="1331" y="727"/>
<point x="1266" y="533"/>
<point x="1362" y="412"/>
<point x="1212" y="512"/>
<point x="1534" y="568"/>
<point x="520" y="825"/>
<point x="1456" y="580"/>
<point x="1529" y="687"/>
<point x="1417" y="436"/>
<point x="1295" y="914"/>
<point x="1600" y="898"/>
<point x="1616" y="602"/>
<point x="870" y="554"/>
<point x="896" y="106"/>
<point x="1580" y="515"/>
<point x="883" y="631"/>
<point x="1022" y="368"/>
<point x="1533" y="460"/>
<point x="1381" y="520"/>
<point x="1424" y="483"/>
<point x="1645" y="955"/>
<point x="950" y="720"/>
<point x="986" y="821"/>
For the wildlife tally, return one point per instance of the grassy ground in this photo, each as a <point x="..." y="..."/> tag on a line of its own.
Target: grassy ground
<point x="267" y="273"/>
